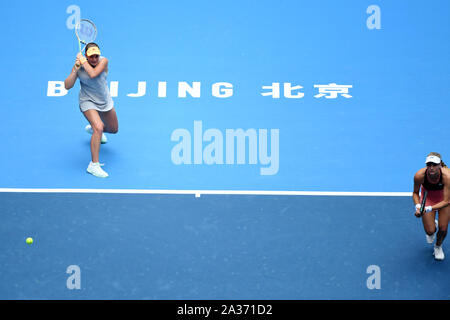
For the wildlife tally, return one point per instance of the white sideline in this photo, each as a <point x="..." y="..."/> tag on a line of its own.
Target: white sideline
<point x="197" y="193"/>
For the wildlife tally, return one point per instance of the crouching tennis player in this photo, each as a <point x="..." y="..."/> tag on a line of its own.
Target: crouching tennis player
<point x="434" y="178"/>
<point x="95" y="101"/>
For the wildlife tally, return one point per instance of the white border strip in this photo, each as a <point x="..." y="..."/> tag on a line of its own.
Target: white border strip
<point x="220" y="192"/>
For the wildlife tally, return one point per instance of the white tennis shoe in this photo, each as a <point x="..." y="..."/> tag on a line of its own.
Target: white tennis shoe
<point x="430" y="239"/>
<point x="90" y="131"/>
<point x="438" y="253"/>
<point x="96" y="170"/>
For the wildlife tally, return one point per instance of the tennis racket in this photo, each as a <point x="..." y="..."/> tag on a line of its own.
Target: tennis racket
<point x="86" y="32"/>
<point x="422" y="205"/>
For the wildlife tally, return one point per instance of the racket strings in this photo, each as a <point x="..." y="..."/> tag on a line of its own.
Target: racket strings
<point x="86" y="31"/>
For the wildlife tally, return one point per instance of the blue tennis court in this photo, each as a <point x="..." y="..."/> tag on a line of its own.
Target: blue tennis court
<point x="265" y="151"/>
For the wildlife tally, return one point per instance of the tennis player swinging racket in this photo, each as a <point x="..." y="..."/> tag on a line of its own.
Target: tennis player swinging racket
<point x="95" y="101"/>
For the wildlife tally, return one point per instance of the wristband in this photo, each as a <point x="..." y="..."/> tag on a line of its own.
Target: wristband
<point x="428" y="208"/>
<point x="418" y="206"/>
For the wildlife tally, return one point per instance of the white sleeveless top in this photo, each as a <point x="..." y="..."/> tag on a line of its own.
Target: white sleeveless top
<point x="94" y="92"/>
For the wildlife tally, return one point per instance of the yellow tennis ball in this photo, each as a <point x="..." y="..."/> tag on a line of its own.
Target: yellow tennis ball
<point x="29" y="240"/>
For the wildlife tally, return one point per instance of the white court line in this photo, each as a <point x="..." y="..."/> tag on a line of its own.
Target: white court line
<point x="197" y="193"/>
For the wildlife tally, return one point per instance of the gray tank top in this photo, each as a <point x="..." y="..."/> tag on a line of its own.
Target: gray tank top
<point x="94" y="92"/>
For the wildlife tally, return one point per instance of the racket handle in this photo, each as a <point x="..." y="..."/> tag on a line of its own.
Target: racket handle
<point x="424" y="199"/>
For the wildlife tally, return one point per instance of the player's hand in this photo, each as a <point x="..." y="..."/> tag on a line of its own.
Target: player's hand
<point x="426" y="210"/>
<point x="77" y="64"/>
<point x="81" y="58"/>
<point x="417" y="213"/>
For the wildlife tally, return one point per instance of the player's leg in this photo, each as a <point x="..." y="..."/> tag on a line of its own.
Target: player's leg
<point x="428" y="222"/>
<point x="97" y="127"/>
<point x="444" y="216"/>
<point x="428" y="219"/>
<point x="443" y="220"/>
<point x="110" y="120"/>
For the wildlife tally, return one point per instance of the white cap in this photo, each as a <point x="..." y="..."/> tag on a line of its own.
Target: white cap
<point x="433" y="159"/>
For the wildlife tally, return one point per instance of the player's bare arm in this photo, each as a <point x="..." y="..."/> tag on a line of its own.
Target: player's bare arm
<point x="97" y="68"/>
<point x="72" y="78"/>
<point x="419" y="178"/>
<point x="446" y="182"/>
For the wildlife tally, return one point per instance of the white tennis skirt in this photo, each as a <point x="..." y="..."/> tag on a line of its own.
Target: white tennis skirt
<point x="88" y="105"/>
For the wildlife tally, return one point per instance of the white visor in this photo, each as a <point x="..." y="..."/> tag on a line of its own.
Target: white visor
<point x="433" y="159"/>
